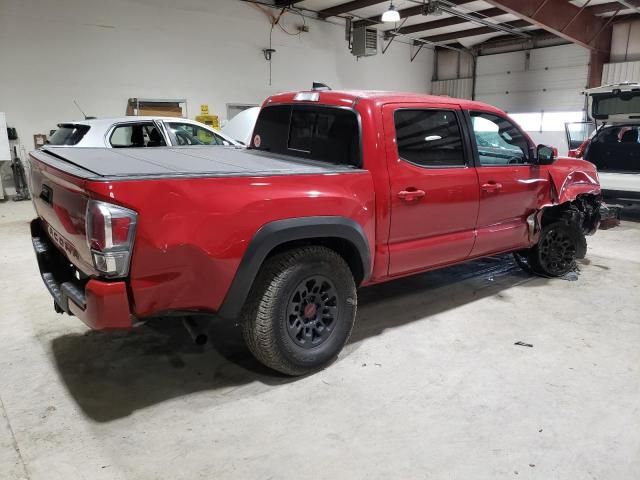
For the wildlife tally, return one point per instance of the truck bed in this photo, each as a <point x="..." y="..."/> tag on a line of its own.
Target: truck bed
<point x="127" y="163"/>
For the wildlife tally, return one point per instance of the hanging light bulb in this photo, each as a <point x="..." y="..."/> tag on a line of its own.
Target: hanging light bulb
<point x="391" y="15"/>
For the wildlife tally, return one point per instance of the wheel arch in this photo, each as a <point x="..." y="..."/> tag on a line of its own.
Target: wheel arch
<point x="583" y="213"/>
<point x="341" y="234"/>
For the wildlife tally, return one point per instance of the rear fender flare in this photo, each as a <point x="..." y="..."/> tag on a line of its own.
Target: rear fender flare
<point x="277" y="233"/>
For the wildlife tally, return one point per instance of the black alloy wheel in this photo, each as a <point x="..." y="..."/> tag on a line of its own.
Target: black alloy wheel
<point x="312" y="311"/>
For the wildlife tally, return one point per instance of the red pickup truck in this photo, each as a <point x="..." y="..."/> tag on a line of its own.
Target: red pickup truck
<point x="337" y="190"/>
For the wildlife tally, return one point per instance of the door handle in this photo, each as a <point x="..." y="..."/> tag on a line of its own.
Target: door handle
<point x="491" y="187"/>
<point x="411" y="194"/>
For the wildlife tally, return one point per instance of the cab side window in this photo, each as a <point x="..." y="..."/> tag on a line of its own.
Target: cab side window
<point x="429" y="138"/>
<point x="499" y="141"/>
<point x="135" y="135"/>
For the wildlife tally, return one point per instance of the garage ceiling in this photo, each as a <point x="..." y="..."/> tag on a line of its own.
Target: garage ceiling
<point x="467" y="23"/>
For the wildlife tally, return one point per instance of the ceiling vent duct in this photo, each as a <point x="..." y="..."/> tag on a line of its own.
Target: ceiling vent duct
<point x="364" y="42"/>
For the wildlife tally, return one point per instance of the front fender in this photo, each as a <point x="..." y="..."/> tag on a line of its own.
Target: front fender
<point x="571" y="177"/>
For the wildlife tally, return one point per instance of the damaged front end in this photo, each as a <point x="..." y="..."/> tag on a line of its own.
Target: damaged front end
<point x="558" y="228"/>
<point x="585" y="214"/>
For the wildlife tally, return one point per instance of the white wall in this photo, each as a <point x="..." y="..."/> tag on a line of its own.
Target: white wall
<point x="101" y="52"/>
<point x="625" y="54"/>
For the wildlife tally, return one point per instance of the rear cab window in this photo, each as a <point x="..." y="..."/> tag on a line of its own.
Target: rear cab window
<point x="68" y="134"/>
<point x="314" y="132"/>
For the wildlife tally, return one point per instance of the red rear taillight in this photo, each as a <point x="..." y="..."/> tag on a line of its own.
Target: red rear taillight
<point x="110" y="234"/>
<point x="95" y="227"/>
<point x="120" y="230"/>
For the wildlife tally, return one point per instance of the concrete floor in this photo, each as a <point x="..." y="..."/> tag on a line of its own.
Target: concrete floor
<point x="430" y="386"/>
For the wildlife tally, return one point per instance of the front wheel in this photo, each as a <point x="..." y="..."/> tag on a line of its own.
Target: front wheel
<point x="556" y="251"/>
<point x="301" y="310"/>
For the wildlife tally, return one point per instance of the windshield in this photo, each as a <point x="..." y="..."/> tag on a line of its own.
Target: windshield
<point x="183" y="133"/>
<point x="68" y="134"/>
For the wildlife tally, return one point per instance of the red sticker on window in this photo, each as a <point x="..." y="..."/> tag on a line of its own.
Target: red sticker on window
<point x="257" y="141"/>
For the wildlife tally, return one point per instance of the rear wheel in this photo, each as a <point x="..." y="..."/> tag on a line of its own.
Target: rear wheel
<point x="555" y="253"/>
<point x="301" y="310"/>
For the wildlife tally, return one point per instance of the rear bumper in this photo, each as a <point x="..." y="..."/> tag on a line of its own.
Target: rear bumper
<point x="100" y="305"/>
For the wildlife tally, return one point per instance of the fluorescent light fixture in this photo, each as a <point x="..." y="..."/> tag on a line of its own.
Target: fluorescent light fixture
<point x="391" y="15"/>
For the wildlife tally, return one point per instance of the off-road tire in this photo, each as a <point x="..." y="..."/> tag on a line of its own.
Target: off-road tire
<point x="556" y="251"/>
<point x="268" y="319"/>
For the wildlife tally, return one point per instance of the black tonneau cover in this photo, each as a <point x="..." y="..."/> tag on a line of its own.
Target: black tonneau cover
<point x="123" y="163"/>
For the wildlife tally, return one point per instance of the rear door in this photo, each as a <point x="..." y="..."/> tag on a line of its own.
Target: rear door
<point x="578" y="132"/>
<point x="510" y="184"/>
<point x="434" y="187"/>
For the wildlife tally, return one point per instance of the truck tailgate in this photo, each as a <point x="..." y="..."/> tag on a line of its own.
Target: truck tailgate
<point x="61" y="201"/>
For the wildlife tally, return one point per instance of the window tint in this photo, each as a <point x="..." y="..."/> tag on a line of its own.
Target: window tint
<point x="620" y="104"/>
<point x="301" y="134"/>
<point x="68" y="134"/>
<point x="499" y="141"/>
<point x="134" y="135"/>
<point x="429" y="138"/>
<point x="318" y="133"/>
<point x="189" y="134"/>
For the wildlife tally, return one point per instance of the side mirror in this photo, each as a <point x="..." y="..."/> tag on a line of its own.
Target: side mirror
<point x="546" y="155"/>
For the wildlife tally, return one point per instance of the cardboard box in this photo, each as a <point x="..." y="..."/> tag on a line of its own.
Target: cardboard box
<point x="155" y="109"/>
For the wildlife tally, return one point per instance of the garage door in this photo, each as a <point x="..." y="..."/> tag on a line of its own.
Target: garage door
<point x="544" y="79"/>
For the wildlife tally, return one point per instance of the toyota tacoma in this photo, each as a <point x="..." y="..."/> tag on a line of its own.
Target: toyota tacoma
<point x="337" y="190"/>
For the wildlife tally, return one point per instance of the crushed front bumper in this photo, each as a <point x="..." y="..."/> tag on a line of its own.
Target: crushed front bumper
<point x="609" y="216"/>
<point x="100" y="305"/>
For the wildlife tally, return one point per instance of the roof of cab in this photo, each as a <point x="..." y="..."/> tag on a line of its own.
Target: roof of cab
<point x="350" y="98"/>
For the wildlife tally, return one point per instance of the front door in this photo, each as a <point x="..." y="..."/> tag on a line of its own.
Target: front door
<point x="434" y="187"/>
<point x="511" y="186"/>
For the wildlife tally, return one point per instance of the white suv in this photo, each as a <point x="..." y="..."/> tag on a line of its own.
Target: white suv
<point x="132" y="132"/>
<point x="612" y="141"/>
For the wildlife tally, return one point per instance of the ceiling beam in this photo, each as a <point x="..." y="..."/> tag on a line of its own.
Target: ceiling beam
<point x="613" y="7"/>
<point x="575" y="24"/>
<point x="472" y="32"/>
<point x="347" y="7"/>
<point x="413" y="11"/>
<point x="604" y="8"/>
<point x="450" y="21"/>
